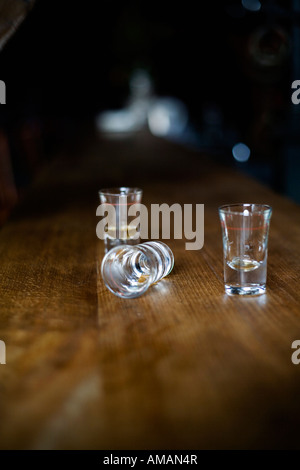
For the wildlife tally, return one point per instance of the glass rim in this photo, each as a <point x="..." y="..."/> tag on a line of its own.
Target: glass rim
<point x="120" y="191"/>
<point x="262" y="208"/>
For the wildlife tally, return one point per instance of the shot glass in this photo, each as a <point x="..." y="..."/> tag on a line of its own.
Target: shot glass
<point x="245" y="229"/>
<point x="118" y="230"/>
<point x="128" y="271"/>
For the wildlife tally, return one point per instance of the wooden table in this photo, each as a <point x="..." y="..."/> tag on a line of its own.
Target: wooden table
<point x="182" y="367"/>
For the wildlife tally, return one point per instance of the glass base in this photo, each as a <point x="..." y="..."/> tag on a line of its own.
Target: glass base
<point x="250" y="289"/>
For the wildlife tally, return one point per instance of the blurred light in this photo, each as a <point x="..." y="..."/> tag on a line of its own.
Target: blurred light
<point x="167" y="117"/>
<point x="251" y="5"/>
<point x="241" y="152"/>
<point x="134" y="115"/>
<point x="123" y="120"/>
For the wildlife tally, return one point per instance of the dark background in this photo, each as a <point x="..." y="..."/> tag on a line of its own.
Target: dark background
<point x="68" y="61"/>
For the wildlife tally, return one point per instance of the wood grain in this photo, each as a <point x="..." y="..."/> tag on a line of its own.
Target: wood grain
<point x="184" y="366"/>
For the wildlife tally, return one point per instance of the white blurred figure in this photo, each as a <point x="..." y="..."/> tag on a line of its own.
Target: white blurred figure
<point x="133" y="116"/>
<point x="141" y="95"/>
<point x="167" y="117"/>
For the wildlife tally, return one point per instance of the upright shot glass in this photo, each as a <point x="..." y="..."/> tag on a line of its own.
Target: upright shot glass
<point x="245" y="230"/>
<point x="118" y="231"/>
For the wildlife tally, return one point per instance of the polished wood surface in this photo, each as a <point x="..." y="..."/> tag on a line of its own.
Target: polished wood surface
<point x="184" y="366"/>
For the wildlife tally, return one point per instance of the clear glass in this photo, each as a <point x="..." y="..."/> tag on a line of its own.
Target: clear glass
<point x="121" y="199"/>
<point x="128" y="271"/>
<point x="245" y="230"/>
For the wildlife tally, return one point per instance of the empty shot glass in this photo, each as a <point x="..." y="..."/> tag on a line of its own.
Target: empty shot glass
<point x="245" y="229"/>
<point x="128" y="271"/>
<point x="119" y="231"/>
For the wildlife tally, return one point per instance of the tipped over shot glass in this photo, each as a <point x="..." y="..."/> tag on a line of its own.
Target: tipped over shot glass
<point x="128" y="271"/>
<point x="118" y="231"/>
<point x="245" y="231"/>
